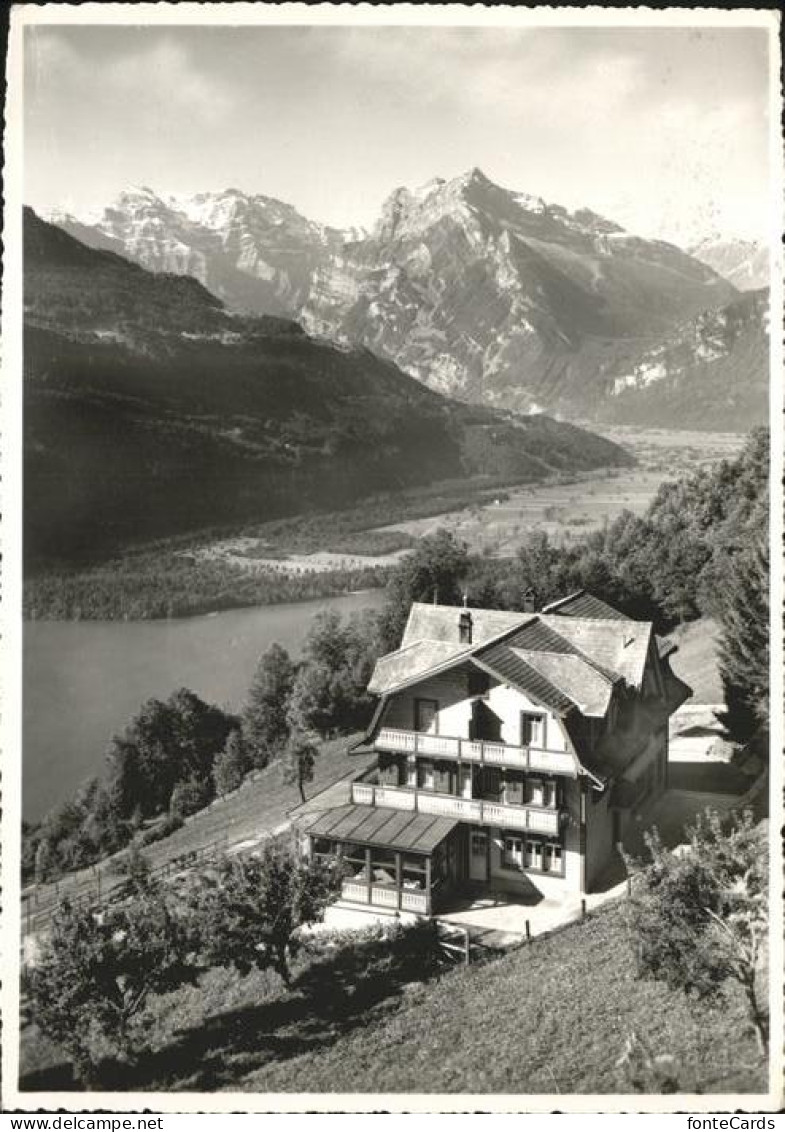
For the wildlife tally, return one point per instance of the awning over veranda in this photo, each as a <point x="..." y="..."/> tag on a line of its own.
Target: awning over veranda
<point x="385" y="828"/>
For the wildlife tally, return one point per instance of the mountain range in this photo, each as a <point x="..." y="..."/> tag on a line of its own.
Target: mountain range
<point x="150" y="409"/>
<point x="744" y="263"/>
<point x="485" y="294"/>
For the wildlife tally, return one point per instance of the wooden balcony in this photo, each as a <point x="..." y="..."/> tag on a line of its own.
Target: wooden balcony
<point x="476" y="751"/>
<point x="386" y="896"/>
<point x="532" y="818"/>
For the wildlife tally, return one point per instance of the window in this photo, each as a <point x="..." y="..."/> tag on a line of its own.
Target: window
<point x="425" y="776"/>
<point x="536" y="792"/>
<point x="549" y="794"/>
<point x="534" y="855"/>
<point x="512" y="854"/>
<point x="532" y="729"/>
<point x="426" y="716"/>
<point x="553" y="858"/>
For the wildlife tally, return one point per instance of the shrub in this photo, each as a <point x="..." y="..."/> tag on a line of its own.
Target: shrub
<point x="190" y="795"/>
<point x="163" y="828"/>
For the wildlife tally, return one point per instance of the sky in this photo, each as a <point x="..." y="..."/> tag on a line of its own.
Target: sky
<point x="662" y="129"/>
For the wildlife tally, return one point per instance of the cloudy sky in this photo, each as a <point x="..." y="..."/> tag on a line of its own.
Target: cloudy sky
<point x="664" y="130"/>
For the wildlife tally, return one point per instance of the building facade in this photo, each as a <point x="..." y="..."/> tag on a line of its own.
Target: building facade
<point x="511" y="751"/>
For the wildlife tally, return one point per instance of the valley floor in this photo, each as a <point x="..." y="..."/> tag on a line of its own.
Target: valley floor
<point x="318" y="555"/>
<point x="569" y="510"/>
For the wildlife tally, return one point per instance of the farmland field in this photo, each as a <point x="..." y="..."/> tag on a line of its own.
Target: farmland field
<point x="569" y="510"/>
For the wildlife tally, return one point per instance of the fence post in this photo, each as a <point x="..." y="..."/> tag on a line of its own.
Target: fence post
<point x="629" y="886"/>
<point x="466" y="947"/>
<point x="528" y="932"/>
<point x="583" y="907"/>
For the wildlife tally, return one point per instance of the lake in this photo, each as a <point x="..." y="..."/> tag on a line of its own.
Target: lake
<point x="85" y="680"/>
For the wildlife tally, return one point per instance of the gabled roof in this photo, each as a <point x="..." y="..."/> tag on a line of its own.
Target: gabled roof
<point x="618" y="646"/>
<point x="583" y="604"/>
<point x="440" y="622"/>
<point x="559" y="658"/>
<point x="511" y="667"/>
<point x="413" y="662"/>
<point x="586" y="687"/>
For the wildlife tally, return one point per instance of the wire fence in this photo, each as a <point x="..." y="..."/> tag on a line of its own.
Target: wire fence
<point x="40" y="902"/>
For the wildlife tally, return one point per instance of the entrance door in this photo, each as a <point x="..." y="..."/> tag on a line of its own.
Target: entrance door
<point x="478" y="854"/>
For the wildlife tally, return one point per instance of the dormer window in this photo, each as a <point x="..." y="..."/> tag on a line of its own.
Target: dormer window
<point x="465" y="627"/>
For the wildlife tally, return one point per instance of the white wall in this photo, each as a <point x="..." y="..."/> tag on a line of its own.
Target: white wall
<point x="450" y="690"/>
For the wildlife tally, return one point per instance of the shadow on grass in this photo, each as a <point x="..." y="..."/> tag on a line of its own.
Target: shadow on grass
<point x="331" y="997"/>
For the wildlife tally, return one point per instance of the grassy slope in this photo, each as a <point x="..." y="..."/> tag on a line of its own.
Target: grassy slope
<point x="258" y="807"/>
<point x="552" y="1018"/>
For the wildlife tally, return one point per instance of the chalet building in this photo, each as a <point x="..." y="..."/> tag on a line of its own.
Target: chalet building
<point x="512" y="751"/>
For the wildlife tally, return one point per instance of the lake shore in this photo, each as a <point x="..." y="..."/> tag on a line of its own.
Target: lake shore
<point x="85" y="680"/>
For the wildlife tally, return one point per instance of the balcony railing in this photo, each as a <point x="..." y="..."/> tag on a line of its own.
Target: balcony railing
<point x="532" y="818"/>
<point x="474" y="751"/>
<point x="383" y="896"/>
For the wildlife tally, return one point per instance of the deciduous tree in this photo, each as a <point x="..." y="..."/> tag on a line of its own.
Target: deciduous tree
<point x="91" y="983"/>
<point x="700" y="918"/>
<point x="264" y="716"/>
<point x="300" y="759"/>
<point x="232" y="764"/>
<point x="248" y="911"/>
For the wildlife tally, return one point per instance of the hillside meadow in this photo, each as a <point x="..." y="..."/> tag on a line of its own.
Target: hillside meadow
<point x="550" y="1017"/>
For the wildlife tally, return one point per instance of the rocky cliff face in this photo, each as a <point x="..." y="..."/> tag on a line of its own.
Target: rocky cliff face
<point x="710" y="371"/>
<point x="479" y="292"/>
<point x="496" y="296"/>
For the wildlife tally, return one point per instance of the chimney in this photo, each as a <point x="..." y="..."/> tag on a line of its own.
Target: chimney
<point x="530" y="602"/>
<point x="465" y="624"/>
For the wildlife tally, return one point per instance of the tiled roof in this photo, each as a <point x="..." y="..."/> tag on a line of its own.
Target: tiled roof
<point x="376" y="825"/>
<point x="511" y="668"/>
<point x="440" y="623"/>
<point x="605" y="647"/>
<point x="538" y="636"/>
<point x="587" y="688"/>
<point x="582" y="604"/>
<point x="413" y="662"/>
<point x="618" y="646"/>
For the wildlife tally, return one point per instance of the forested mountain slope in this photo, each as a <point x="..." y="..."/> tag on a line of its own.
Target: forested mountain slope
<point x="149" y="409"/>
